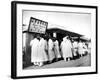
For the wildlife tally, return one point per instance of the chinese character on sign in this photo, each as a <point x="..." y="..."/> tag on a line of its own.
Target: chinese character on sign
<point x="37" y="25"/>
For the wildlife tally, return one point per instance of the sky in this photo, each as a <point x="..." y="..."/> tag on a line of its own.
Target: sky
<point x="75" y="22"/>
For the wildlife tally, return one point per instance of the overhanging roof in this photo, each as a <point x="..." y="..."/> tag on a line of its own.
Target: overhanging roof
<point x="64" y="32"/>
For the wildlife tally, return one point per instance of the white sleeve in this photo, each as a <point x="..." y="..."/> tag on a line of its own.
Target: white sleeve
<point x="31" y="42"/>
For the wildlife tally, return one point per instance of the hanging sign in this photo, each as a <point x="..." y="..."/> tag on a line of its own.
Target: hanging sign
<point x="37" y="25"/>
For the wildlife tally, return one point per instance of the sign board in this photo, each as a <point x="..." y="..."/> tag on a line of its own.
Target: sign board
<point x="37" y="25"/>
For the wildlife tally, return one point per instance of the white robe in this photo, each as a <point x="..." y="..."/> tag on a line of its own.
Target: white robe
<point x="80" y="48"/>
<point x="75" y="46"/>
<point x="66" y="48"/>
<point x="84" y="48"/>
<point x="50" y="50"/>
<point x="56" y="49"/>
<point x="42" y="55"/>
<point x="34" y="49"/>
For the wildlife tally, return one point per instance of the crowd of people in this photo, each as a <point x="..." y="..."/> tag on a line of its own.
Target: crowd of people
<point x="46" y="50"/>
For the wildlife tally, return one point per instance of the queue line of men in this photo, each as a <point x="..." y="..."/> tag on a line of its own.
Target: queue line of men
<point x="43" y="50"/>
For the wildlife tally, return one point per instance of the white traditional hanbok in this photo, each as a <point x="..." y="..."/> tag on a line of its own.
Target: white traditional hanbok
<point x="84" y="48"/>
<point x="34" y="49"/>
<point x="56" y="49"/>
<point x="80" y="48"/>
<point x="66" y="48"/>
<point x="63" y="48"/>
<point x="69" y="48"/>
<point x="50" y="50"/>
<point x="75" y="48"/>
<point x="42" y="55"/>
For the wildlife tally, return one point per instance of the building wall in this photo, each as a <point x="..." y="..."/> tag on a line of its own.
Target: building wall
<point x="27" y="37"/>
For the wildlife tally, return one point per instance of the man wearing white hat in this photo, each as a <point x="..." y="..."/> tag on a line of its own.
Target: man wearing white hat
<point x="66" y="48"/>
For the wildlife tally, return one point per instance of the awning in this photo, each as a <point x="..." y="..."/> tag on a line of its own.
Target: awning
<point x="64" y="32"/>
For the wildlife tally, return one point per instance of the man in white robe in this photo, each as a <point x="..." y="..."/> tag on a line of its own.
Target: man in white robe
<point x="66" y="48"/>
<point x="50" y="50"/>
<point x="85" y="49"/>
<point x="69" y="49"/>
<point x="63" y="48"/>
<point x="80" y="48"/>
<point x="56" y="49"/>
<point x="42" y="55"/>
<point x="34" y="50"/>
<point x="75" y="48"/>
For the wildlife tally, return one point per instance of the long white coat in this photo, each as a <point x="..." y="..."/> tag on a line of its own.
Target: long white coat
<point x="34" y="49"/>
<point x="50" y="50"/>
<point x="80" y="48"/>
<point x="75" y="44"/>
<point x="85" y="49"/>
<point x="75" y="48"/>
<point x="56" y="49"/>
<point x="42" y="55"/>
<point x="66" y="48"/>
